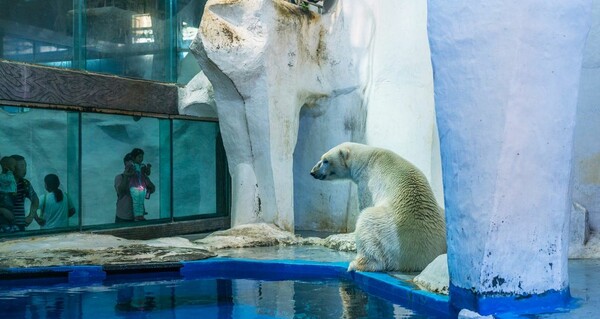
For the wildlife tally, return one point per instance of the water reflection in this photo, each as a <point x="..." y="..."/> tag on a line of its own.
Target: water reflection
<point x="354" y="301"/>
<point x="206" y="298"/>
<point x="134" y="299"/>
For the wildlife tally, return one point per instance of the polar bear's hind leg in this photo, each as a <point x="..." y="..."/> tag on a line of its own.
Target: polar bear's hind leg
<point x="377" y="243"/>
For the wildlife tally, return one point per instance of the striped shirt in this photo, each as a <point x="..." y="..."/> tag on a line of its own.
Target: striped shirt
<point x="24" y="190"/>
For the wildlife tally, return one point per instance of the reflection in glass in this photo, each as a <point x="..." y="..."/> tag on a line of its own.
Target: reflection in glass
<point x="194" y="168"/>
<point x="86" y="153"/>
<point x="106" y="139"/>
<point x="41" y="137"/>
<point x="188" y="21"/>
<point x="141" y="26"/>
<point x="127" y="38"/>
<point x="37" y="31"/>
<point x="164" y="186"/>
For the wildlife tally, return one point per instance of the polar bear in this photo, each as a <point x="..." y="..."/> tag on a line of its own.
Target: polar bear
<point x="400" y="227"/>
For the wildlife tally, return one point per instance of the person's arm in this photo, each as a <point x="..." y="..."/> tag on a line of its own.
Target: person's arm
<point x="71" y="206"/>
<point x="35" y="204"/>
<point x="150" y="186"/>
<point x="146" y="170"/>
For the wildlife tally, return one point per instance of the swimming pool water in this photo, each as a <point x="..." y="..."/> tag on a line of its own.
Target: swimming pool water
<point x="151" y="297"/>
<point x="213" y="288"/>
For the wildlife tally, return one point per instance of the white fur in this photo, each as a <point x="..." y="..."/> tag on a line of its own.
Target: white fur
<point x="400" y="227"/>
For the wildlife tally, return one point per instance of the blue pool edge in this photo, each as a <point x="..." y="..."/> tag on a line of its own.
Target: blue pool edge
<point x="379" y="284"/>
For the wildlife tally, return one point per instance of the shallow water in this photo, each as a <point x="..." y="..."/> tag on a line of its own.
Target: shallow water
<point x="139" y="297"/>
<point x="313" y="253"/>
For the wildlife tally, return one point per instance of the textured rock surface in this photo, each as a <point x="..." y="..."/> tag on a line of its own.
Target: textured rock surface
<point x="87" y="249"/>
<point x="266" y="60"/>
<point x="586" y="153"/>
<point x="91" y="249"/>
<point x="579" y="228"/>
<point x="468" y="314"/>
<point x="435" y="276"/>
<point x="263" y="234"/>
<point x="260" y="241"/>
<point x="248" y="235"/>
<point x="342" y="242"/>
<point x="197" y="98"/>
<point x="590" y="250"/>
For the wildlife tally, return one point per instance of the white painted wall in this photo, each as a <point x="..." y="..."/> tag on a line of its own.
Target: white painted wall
<point x="506" y="83"/>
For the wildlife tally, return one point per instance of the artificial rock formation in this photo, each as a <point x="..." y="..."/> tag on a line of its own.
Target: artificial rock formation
<point x="267" y="59"/>
<point x="506" y="96"/>
<point x="435" y="276"/>
<point x="197" y="98"/>
<point x="586" y="149"/>
<point x="290" y="84"/>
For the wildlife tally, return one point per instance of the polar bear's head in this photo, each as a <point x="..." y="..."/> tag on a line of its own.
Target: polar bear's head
<point x="334" y="164"/>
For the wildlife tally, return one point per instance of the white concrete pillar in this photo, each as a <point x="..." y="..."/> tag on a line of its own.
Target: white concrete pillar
<point x="506" y="77"/>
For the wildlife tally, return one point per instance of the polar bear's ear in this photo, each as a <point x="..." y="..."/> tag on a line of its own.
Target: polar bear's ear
<point x="344" y="155"/>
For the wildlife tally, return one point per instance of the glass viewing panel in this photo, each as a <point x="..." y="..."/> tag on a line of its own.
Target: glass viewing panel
<point x="188" y="21"/>
<point x="106" y="139"/>
<point x="41" y="137"/>
<point x="86" y="152"/>
<point x="194" y="168"/>
<point x="128" y="38"/>
<point x="146" y="39"/>
<point x="37" y="31"/>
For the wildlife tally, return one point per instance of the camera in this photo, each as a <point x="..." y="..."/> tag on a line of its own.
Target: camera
<point x="146" y="169"/>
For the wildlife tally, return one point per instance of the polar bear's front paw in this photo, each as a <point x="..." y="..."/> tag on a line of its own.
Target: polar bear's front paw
<point x="358" y="264"/>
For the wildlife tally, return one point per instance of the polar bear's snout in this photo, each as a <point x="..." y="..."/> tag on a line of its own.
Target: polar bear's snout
<point x="315" y="171"/>
<point x="321" y="170"/>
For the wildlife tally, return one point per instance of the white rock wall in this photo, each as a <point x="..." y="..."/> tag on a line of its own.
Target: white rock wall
<point x="290" y="85"/>
<point x="506" y="83"/>
<point x="266" y="59"/>
<point x="586" y="164"/>
<point x="401" y="114"/>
